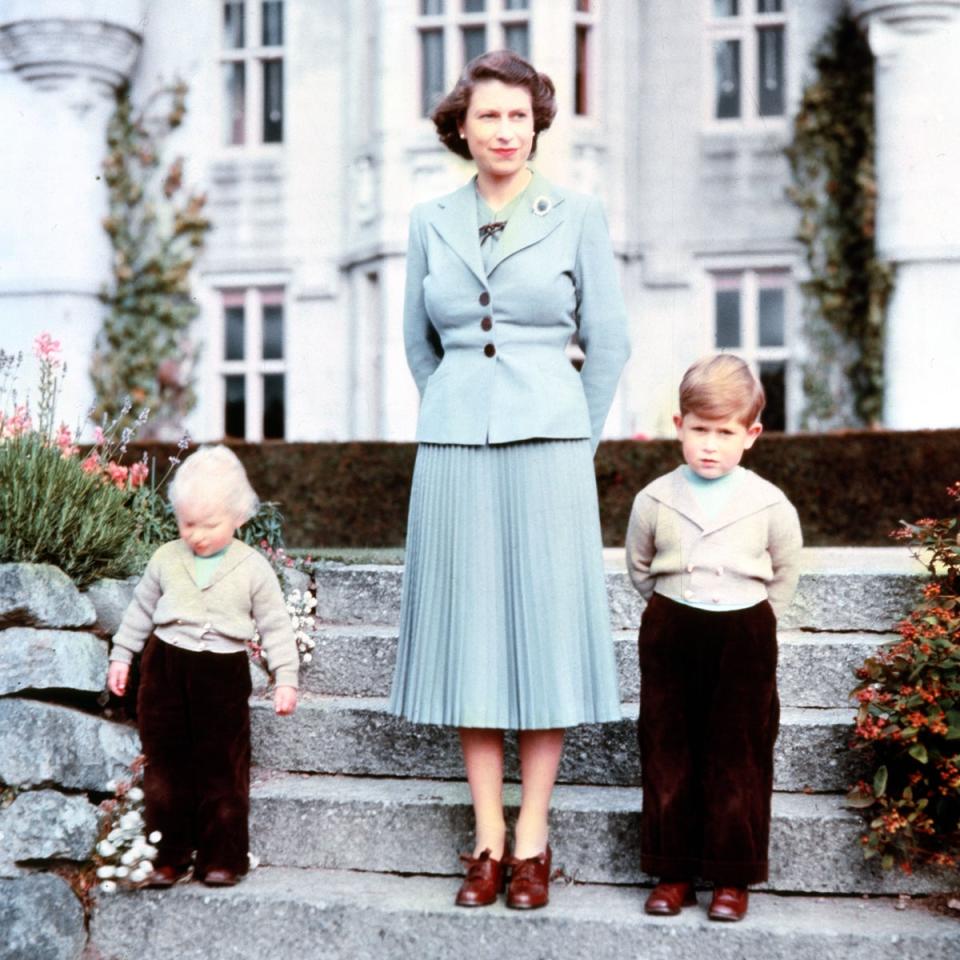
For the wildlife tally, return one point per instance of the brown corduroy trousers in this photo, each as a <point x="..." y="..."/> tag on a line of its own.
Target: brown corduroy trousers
<point x="194" y="721"/>
<point x="709" y="717"/>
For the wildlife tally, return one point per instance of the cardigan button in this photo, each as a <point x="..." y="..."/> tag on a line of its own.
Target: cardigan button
<point x="486" y="323"/>
<point x="484" y="298"/>
<point x="719" y="571"/>
<point x="688" y="594"/>
<point x="489" y="349"/>
<point x="690" y="568"/>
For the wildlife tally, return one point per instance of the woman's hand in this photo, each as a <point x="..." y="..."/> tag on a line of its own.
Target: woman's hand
<point x="285" y="700"/>
<point x="117" y="675"/>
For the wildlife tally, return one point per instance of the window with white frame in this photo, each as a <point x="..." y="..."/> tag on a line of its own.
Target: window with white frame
<point x="452" y="32"/>
<point x="251" y="61"/>
<point x="253" y="364"/>
<point x="747" y="46"/>
<point x="583" y="16"/>
<point x="751" y="310"/>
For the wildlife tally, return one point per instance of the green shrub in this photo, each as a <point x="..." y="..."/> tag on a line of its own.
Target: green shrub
<point x="52" y="511"/>
<point x="909" y="716"/>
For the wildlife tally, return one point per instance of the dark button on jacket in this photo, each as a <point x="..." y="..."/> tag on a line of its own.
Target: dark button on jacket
<point x="484" y="298"/>
<point x="489" y="349"/>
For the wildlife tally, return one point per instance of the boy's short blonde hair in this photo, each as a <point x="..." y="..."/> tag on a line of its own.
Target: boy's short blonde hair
<point x="720" y="387"/>
<point x="214" y="472"/>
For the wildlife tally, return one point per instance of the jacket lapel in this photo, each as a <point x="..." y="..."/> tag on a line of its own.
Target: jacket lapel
<point x="234" y="556"/>
<point x="752" y="496"/>
<point x="455" y="219"/>
<point x="537" y="215"/>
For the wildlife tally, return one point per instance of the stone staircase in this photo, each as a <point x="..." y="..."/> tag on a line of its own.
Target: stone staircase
<point x="358" y="818"/>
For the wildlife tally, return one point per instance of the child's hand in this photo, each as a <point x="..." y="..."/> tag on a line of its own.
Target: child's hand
<point x="117" y="675"/>
<point x="285" y="700"/>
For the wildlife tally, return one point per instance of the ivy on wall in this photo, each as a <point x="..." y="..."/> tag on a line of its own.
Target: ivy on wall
<point x="834" y="186"/>
<point x="157" y="229"/>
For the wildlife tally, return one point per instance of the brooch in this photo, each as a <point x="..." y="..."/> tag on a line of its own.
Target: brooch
<point x="542" y="206"/>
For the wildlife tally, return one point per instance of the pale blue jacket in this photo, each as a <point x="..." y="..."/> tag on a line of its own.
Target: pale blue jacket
<point x="487" y="349"/>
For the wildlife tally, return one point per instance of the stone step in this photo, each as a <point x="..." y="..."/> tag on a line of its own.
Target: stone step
<point x="327" y="915"/>
<point x="841" y="589"/>
<point x="815" y="669"/>
<point x="420" y="826"/>
<point x="357" y="736"/>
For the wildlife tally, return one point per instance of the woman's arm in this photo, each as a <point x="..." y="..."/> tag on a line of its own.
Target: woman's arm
<point x="602" y="317"/>
<point x="419" y="336"/>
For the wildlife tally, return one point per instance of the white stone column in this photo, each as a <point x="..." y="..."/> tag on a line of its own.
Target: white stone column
<point x="63" y="62"/>
<point x="917" y="50"/>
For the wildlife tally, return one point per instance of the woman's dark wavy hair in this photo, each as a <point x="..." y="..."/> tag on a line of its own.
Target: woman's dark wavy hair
<point x="508" y="68"/>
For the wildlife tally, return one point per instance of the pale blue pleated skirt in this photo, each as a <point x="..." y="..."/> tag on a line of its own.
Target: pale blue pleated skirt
<point x="504" y="620"/>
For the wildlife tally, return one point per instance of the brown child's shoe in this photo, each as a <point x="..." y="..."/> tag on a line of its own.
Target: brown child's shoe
<point x="728" y="903"/>
<point x="529" y="882"/>
<point x="668" y="899"/>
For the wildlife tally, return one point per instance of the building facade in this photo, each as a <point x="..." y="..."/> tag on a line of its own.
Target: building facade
<point x="307" y="128"/>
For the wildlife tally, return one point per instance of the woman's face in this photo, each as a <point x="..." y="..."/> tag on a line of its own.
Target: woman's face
<point x="498" y="127"/>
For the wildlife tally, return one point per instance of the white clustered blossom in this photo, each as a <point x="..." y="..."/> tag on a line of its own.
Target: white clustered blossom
<point x="126" y="854"/>
<point x="300" y="605"/>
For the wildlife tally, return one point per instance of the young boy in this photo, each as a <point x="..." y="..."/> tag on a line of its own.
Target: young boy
<point x="714" y="550"/>
<point x="192" y="614"/>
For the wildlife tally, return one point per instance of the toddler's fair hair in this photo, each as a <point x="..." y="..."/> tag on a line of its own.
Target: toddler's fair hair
<point x="721" y="387"/>
<point x="214" y="473"/>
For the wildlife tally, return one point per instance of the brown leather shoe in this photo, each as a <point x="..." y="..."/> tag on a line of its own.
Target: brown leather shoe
<point x="485" y="878"/>
<point x="529" y="882"/>
<point x="220" y="877"/>
<point x="166" y="876"/>
<point x="668" y="899"/>
<point x="728" y="903"/>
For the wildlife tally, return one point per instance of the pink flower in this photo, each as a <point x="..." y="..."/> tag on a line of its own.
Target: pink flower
<point x="138" y="473"/>
<point x="65" y="442"/>
<point x="98" y="437"/>
<point x="46" y="349"/>
<point x="91" y="464"/>
<point x="117" y="474"/>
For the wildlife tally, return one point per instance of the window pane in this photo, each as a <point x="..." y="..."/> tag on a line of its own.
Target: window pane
<point x="516" y="37"/>
<point x="474" y="6"/>
<point x="725" y="8"/>
<point x="274" y="413"/>
<point x="272" y="101"/>
<point x="273" y="332"/>
<point x="772" y="312"/>
<point x="233" y="26"/>
<point x="235" y="407"/>
<point x="233" y="335"/>
<point x="727" y="65"/>
<point x="727" y="309"/>
<point x="581" y="75"/>
<point x="431" y="65"/>
<point x="234" y="79"/>
<point x="770" y="70"/>
<point x="769" y="6"/>
<point x="431" y="7"/>
<point x="773" y="376"/>
<point x="474" y="42"/>
<point x="272" y="23"/>
<point x="517" y="5"/>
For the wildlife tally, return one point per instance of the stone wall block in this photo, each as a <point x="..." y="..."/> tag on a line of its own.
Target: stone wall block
<point x="40" y="595"/>
<point x="110" y="599"/>
<point x="42" y="744"/>
<point x="47" y="825"/>
<point x="32" y="659"/>
<point x="41" y="919"/>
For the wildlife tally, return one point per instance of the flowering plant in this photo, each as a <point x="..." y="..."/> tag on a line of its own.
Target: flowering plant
<point x="300" y="603"/>
<point x="124" y="854"/>
<point x="909" y="714"/>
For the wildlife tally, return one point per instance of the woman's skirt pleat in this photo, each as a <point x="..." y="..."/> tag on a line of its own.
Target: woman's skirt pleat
<point x="504" y="620"/>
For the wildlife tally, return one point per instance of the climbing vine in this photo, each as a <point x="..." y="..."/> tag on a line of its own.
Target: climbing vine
<point x="157" y="229"/>
<point x="834" y="187"/>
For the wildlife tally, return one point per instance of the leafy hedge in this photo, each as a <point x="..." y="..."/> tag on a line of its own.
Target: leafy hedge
<point x="851" y="488"/>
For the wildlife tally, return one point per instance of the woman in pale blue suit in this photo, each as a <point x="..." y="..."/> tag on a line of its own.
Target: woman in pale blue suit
<point x="504" y="621"/>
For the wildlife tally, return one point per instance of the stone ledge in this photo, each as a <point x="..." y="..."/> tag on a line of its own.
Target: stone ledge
<point x="39" y="595"/>
<point x="47" y="825"/>
<point x="332" y="915"/>
<point x="32" y="659"/>
<point x="41" y="919"/>
<point x="340" y="735"/>
<point x="420" y="826"/>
